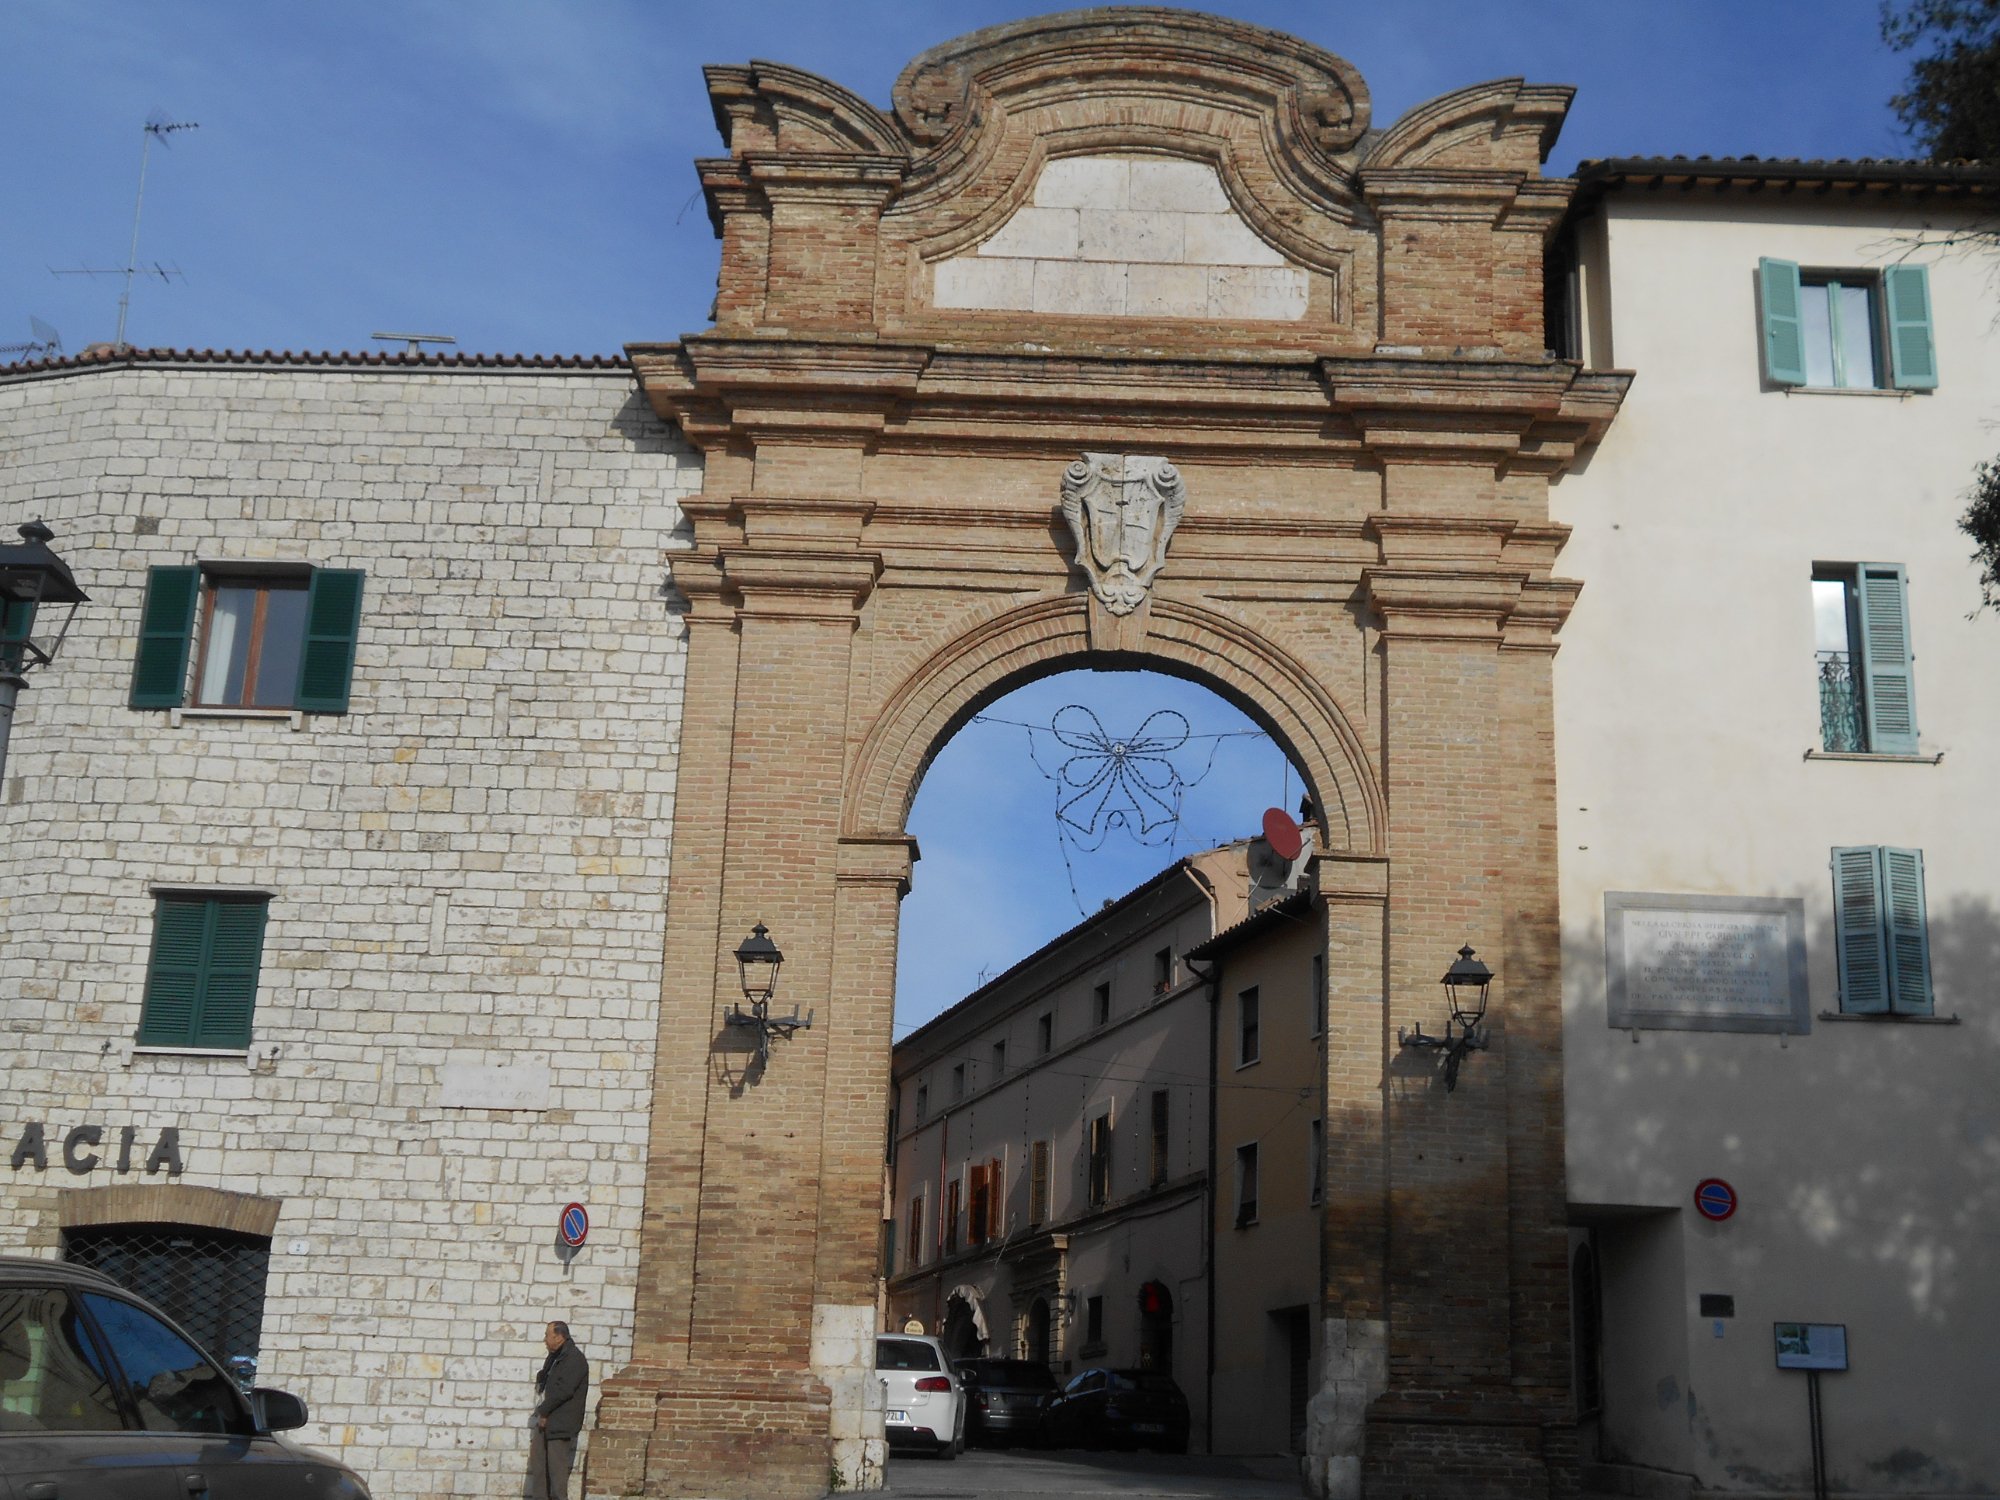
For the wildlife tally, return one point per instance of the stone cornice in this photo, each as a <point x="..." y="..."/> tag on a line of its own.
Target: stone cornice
<point x="1507" y="415"/>
<point x="1444" y="603"/>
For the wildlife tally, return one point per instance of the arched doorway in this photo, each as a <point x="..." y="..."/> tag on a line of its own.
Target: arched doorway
<point x="1328" y="503"/>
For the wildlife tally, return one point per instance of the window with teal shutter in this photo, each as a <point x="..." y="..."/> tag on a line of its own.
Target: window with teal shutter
<point x="1846" y="330"/>
<point x="1880" y="933"/>
<point x="1861" y="636"/>
<point x="1912" y="351"/>
<point x="332" y="625"/>
<point x="201" y="986"/>
<point x="1784" y="342"/>
<point x="166" y="631"/>
<point x="263" y="639"/>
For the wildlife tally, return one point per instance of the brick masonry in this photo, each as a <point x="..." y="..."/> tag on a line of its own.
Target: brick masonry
<point x="467" y="868"/>
<point x="887" y="404"/>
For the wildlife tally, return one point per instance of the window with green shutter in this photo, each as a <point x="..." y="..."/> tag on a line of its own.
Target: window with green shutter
<point x="1861" y="640"/>
<point x="201" y="985"/>
<point x="264" y="639"/>
<point x="1880" y="932"/>
<point x="1846" y="330"/>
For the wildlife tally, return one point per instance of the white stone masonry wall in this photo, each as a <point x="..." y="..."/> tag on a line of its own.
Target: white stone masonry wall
<point x="467" y="871"/>
<point x="1119" y="236"/>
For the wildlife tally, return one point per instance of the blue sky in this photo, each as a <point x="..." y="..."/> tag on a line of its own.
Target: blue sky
<point x="519" y="175"/>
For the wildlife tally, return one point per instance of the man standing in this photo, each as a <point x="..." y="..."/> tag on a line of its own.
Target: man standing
<point x="564" y="1383"/>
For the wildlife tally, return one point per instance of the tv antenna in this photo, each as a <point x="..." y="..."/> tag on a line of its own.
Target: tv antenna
<point x="414" y="342"/>
<point x="158" y="128"/>
<point x="46" y="341"/>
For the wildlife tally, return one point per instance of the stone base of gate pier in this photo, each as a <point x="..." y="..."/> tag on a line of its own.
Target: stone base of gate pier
<point x="1457" y="1448"/>
<point x="712" y="1433"/>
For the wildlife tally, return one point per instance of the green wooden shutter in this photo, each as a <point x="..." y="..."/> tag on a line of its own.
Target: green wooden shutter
<point x="173" y="980"/>
<point x="166" y="628"/>
<point x="1909" y="941"/>
<point x="229" y="993"/>
<point x="1912" y="350"/>
<point x="1857" y="931"/>
<point x="1887" y="684"/>
<point x="333" y="621"/>
<point x="1784" y="336"/>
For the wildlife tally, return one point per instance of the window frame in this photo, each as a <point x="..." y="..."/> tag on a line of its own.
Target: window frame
<point x="1881" y="933"/>
<point x="1100" y="1004"/>
<point x="1249" y="1027"/>
<point x="1880" y="658"/>
<point x="1097" y="1159"/>
<point x="1903" y="344"/>
<point x="1316" y="1165"/>
<point x="1038" y="1183"/>
<point x="1045" y="1032"/>
<point x="1246" y="1185"/>
<point x="213" y="582"/>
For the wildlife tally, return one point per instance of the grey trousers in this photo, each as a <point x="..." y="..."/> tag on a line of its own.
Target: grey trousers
<point x="549" y="1462"/>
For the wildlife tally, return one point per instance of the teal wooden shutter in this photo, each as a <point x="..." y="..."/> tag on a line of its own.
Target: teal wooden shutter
<point x="173" y="980"/>
<point x="1887" y="684"/>
<point x="333" y="621"/>
<point x="229" y="991"/>
<point x="1909" y="940"/>
<point x="1784" y="336"/>
<point x="1912" y="350"/>
<point x="1857" y="931"/>
<point x="166" y="628"/>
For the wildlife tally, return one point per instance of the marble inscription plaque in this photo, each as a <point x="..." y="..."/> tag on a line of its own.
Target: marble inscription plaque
<point x="1705" y="963"/>
<point x="470" y="1081"/>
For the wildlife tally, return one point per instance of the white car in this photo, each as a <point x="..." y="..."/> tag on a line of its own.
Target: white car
<point x="923" y="1401"/>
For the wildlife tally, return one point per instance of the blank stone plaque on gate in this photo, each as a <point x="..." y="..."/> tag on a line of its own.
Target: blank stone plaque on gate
<point x="1705" y="963"/>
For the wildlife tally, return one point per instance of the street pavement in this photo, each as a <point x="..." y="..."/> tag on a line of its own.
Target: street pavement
<point x="983" y="1475"/>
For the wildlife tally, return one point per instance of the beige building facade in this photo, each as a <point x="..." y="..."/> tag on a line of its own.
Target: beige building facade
<point x="1777" y="740"/>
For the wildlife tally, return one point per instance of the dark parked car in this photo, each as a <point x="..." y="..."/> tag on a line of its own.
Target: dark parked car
<point x="1121" y="1409"/>
<point x="101" y="1398"/>
<point x="1009" y="1399"/>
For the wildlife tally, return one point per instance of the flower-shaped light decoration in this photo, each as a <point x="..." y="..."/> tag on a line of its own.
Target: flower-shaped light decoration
<point x="1118" y="781"/>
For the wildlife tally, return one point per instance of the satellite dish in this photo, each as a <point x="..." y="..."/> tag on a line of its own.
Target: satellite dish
<point x="1282" y="834"/>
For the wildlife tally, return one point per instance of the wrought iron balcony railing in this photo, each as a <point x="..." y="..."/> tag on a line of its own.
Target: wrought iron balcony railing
<point x="1839" y="704"/>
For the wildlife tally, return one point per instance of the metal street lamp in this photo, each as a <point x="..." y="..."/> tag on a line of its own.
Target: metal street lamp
<point x="30" y="576"/>
<point x="757" y="963"/>
<point x="1465" y="986"/>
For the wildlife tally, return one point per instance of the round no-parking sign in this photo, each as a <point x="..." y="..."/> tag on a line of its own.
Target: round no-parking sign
<point x="575" y="1225"/>
<point x="1714" y="1199"/>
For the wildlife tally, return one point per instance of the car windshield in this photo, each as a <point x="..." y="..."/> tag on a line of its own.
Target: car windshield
<point x="905" y="1354"/>
<point x="1142" y="1380"/>
<point x="1014" y="1372"/>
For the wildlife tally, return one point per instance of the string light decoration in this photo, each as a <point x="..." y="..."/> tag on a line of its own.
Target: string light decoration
<point x="1109" y="782"/>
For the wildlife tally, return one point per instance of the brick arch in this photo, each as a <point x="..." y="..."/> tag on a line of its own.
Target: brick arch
<point x="1184" y="640"/>
<point x="168" y="1203"/>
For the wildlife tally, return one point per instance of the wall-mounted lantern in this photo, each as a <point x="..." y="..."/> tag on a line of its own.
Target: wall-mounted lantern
<point x="757" y="963"/>
<point x="31" y="576"/>
<point x="1465" y="985"/>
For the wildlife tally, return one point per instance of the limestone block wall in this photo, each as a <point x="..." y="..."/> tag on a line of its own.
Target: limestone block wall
<point x="466" y="872"/>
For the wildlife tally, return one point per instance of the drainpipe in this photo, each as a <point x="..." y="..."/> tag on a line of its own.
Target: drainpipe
<point x="1213" y="979"/>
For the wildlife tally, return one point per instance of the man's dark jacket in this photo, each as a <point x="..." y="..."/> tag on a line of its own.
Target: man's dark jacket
<point x="564" y="1382"/>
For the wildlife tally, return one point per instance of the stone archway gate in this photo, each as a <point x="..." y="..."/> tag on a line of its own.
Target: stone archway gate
<point x="1170" y="243"/>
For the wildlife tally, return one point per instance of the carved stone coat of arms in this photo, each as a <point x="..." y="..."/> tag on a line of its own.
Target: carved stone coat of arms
<point x="1122" y="510"/>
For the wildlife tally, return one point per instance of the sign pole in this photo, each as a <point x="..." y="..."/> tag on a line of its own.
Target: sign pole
<point x="1819" y="1435"/>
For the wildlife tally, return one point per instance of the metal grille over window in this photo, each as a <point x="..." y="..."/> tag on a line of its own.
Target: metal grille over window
<point x="209" y="1282"/>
